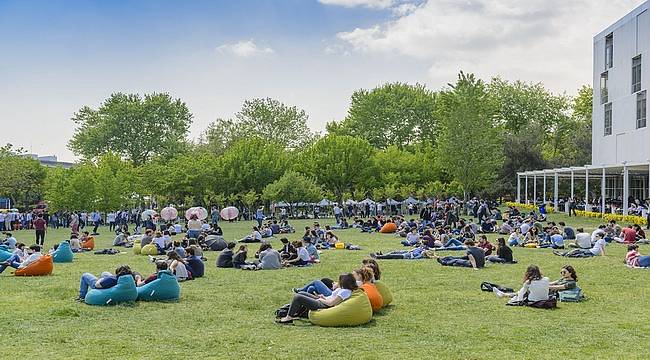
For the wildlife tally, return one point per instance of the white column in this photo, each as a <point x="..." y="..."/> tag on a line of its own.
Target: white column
<point x="572" y="194"/>
<point x="526" y="189"/>
<point x="648" y="182"/>
<point x="535" y="189"/>
<point x="555" y="192"/>
<point x="544" y="193"/>
<point x="518" y="188"/>
<point x="626" y="190"/>
<point x="602" y="193"/>
<point x="586" y="187"/>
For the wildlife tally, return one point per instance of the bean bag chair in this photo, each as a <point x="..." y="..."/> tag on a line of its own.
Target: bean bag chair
<point x="339" y="245"/>
<point x="4" y="253"/>
<point x="42" y="266"/>
<point x="63" y="253"/>
<point x="376" y="301"/>
<point x="531" y="245"/>
<point x="352" y="312"/>
<point x="124" y="291"/>
<point x="165" y="288"/>
<point x="137" y="246"/>
<point x="149" y="249"/>
<point x="388" y="228"/>
<point x="89" y="244"/>
<point x="385" y="292"/>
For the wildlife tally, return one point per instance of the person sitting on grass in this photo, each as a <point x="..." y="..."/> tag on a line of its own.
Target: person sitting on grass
<point x="312" y="251"/>
<point x="627" y="235"/>
<point x="474" y="258"/>
<point x="193" y="262"/>
<point x="597" y="249"/>
<point x="535" y="288"/>
<point x="254" y="237"/>
<point x="160" y="266"/>
<point x="10" y="241"/>
<point x="269" y="258"/>
<point x="484" y="244"/>
<point x="634" y="259"/>
<point x="225" y="257"/>
<point x="303" y="257"/>
<point x="179" y="267"/>
<point x="566" y="282"/>
<point x="239" y="259"/>
<point x="16" y="262"/>
<point x="515" y="238"/>
<point x="159" y="241"/>
<point x="504" y="253"/>
<point x="412" y="238"/>
<point x="583" y="240"/>
<point x="303" y="302"/>
<point x="105" y="281"/>
<point x="640" y="235"/>
<point x="121" y="239"/>
<point x="556" y="240"/>
<point x="413" y="254"/>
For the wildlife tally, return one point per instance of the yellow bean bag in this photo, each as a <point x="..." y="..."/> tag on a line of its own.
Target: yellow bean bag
<point x="376" y="301"/>
<point x="531" y="245"/>
<point x="149" y="249"/>
<point x="339" y="245"/>
<point x="385" y="292"/>
<point x="89" y="244"/>
<point x="42" y="266"/>
<point x="388" y="228"/>
<point x="352" y="312"/>
<point x="137" y="247"/>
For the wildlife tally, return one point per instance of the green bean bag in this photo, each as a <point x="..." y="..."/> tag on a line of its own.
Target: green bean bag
<point x="352" y="312"/>
<point x="63" y="253"/>
<point x="385" y="292"/>
<point x="124" y="291"/>
<point x="137" y="246"/>
<point x="149" y="249"/>
<point x="165" y="288"/>
<point x="4" y="253"/>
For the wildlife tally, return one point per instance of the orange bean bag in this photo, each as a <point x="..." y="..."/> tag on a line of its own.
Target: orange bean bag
<point x="42" y="266"/>
<point x="376" y="301"/>
<point x="388" y="228"/>
<point x="89" y="244"/>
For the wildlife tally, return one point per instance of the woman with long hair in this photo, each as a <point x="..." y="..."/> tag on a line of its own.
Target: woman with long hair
<point x="535" y="287"/>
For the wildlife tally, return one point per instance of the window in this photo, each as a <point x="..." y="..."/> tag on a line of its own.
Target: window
<point x="608" y="119"/>
<point x="609" y="51"/>
<point x="636" y="74"/>
<point x="640" y="109"/>
<point x="603" y="88"/>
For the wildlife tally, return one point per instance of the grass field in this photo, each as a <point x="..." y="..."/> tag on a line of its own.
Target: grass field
<point x="438" y="312"/>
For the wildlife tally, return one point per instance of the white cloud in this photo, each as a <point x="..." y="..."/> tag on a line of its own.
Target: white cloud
<point x="534" y="40"/>
<point x="244" y="49"/>
<point x="373" y="4"/>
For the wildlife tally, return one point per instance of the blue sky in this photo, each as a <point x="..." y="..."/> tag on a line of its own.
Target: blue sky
<point x="57" y="56"/>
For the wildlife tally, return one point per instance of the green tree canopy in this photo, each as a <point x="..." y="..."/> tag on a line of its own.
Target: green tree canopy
<point x="292" y="187"/>
<point x="22" y="177"/>
<point x="133" y="127"/>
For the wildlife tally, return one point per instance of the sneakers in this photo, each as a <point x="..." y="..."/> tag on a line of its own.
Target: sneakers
<point x="80" y="300"/>
<point x="151" y="259"/>
<point x="498" y="292"/>
<point x="296" y="290"/>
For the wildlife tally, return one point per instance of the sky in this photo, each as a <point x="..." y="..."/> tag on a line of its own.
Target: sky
<point x="57" y="56"/>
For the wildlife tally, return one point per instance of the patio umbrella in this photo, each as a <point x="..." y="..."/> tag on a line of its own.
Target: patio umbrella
<point x="410" y="200"/>
<point x="229" y="213"/>
<point x="169" y="213"/>
<point x="367" y="202"/>
<point x="350" y="202"/>
<point x="200" y="212"/>
<point x="148" y="214"/>
<point x="282" y="204"/>
<point x="324" y="202"/>
<point x="392" y="202"/>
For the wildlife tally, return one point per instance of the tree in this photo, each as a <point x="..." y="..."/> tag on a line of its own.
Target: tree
<point x="292" y="187"/>
<point x="393" y="114"/>
<point x="267" y="119"/>
<point x="116" y="183"/>
<point x="469" y="146"/>
<point x="133" y="127"/>
<point x="338" y="163"/>
<point x="22" y="177"/>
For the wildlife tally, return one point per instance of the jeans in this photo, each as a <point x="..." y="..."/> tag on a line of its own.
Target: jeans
<point x="14" y="262"/>
<point x="454" y="261"/>
<point x="495" y="259"/>
<point x="259" y="222"/>
<point x="87" y="282"/>
<point x="316" y="287"/>
<point x="644" y="261"/>
<point x="40" y="237"/>
<point x="453" y="243"/>
<point x="302" y="303"/>
<point x="193" y="234"/>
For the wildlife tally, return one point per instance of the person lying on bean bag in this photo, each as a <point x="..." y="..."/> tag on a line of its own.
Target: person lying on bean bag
<point x="364" y="277"/>
<point x="303" y="302"/>
<point x="161" y="265"/>
<point x="383" y="289"/>
<point x="105" y="281"/>
<point x="15" y="262"/>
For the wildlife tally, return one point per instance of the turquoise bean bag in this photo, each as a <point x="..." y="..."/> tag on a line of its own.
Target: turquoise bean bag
<point x="63" y="253"/>
<point x="124" y="291"/>
<point x="165" y="288"/>
<point x="4" y="253"/>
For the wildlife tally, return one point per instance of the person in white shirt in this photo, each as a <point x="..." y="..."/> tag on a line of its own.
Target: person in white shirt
<point x="583" y="240"/>
<point x="600" y="230"/>
<point x="525" y="227"/>
<point x="535" y="287"/>
<point x="15" y="261"/>
<point x="597" y="249"/>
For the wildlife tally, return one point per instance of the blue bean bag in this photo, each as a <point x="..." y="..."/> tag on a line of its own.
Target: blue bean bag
<point x="165" y="288"/>
<point x="63" y="253"/>
<point x="4" y="253"/>
<point x="124" y="291"/>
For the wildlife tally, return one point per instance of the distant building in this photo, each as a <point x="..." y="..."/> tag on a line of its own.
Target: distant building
<point x="620" y="164"/>
<point x="50" y="161"/>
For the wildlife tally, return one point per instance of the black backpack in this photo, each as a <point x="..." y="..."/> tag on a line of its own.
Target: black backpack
<point x="487" y="286"/>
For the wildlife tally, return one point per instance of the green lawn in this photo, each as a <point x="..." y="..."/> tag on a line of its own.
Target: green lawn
<point x="438" y="312"/>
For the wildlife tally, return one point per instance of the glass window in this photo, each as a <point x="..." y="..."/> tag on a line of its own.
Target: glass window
<point x="608" y="119"/>
<point x="603" y="88"/>
<point x="636" y="74"/>
<point x="609" y="51"/>
<point x="640" y="109"/>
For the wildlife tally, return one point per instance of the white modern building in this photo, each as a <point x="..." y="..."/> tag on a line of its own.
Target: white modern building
<point x="620" y="163"/>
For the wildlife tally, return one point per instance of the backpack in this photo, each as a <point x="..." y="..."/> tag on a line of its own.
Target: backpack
<point x="550" y="303"/>
<point x="573" y="295"/>
<point x="487" y="286"/>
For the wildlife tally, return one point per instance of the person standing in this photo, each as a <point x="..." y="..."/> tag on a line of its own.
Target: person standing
<point x="110" y="219"/>
<point x="214" y="216"/>
<point x="259" y="216"/>
<point x="40" y="226"/>
<point x="96" y="218"/>
<point x="74" y="223"/>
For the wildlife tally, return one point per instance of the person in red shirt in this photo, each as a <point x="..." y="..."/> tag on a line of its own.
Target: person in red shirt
<point x="628" y="235"/>
<point x="40" y="226"/>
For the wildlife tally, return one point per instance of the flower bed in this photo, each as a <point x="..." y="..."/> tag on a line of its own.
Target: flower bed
<point x="629" y="219"/>
<point x="529" y="207"/>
